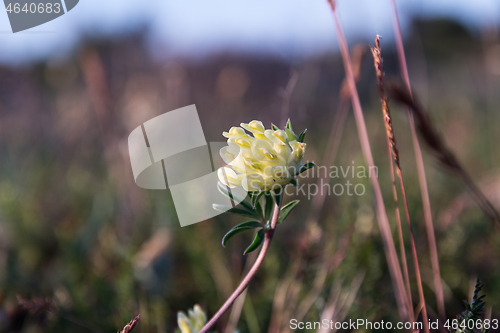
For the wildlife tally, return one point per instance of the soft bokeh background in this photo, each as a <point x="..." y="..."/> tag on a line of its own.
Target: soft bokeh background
<point x="76" y="230"/>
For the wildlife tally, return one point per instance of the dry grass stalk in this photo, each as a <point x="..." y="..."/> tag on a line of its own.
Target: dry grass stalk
<point x="393" y="154"/>
<point x="422" y="179"/>
<point x="383" y="223"/>
<point x="392" y="142"/>
<point x="444" y="155"/>
<point x="389" y="129"/>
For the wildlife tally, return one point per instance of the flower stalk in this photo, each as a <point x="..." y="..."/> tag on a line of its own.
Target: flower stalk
<point x="269" y="233"/>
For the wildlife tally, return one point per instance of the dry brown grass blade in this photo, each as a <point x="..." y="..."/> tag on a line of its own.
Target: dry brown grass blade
<point x="130" y="326"/>
<point x="379" y="71"/>
<point x="422" y="178"/>
<point x="444" y="155"/>
<point x="395" y="154"/>
<point x="383" y="223"/>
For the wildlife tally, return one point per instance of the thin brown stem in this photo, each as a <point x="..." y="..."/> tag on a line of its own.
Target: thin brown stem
<point x="414" y="253"/>
<point x="391" y="139"/>
<point x="422" y="179"/>
<point x="251" y="273"/>
<point x="393" y="155"/>
<point x="238" y="304"/>
<point x="402" y="250"/>
<point x="385" y="230"/>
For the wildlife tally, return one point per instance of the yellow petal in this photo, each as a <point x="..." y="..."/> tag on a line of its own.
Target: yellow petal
<point x="251" y="163"/>
<point x="229" y="153"/>
<point x="280" y="172"/>
<point x="298" y="151"/>
<point x="254" y="126"/>
<point x="253" y="182"/>
<point x="200" y="315"/>
<point x="277" y="137"/>
<point x="263" y="150"/>
<point x="234" y="131"/>
<point x="183" y="323"/>
<point x="244" y="141"/>
<point x="228" y="177"/>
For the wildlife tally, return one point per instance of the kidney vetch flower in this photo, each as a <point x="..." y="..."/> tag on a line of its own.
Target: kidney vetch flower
<point x="268" y="160"/>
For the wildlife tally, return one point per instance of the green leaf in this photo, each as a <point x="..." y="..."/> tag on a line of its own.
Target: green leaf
<point x="256" y="197"/>
<point x="236" y="210"/>
<point x="255" y="200"/>
<point x="239" y="228"/>
<point x="234" y="196"/>
<point x="290" y="135"/>
<point x="286" y="210"/>
<point x="473" y="311"/>
<point x="259" y="210"/>
<point x="269" y="206"/>
<point x="277" y="197"/>
<point x="289" y="125"/>
<point x="302" y="135"/>
<point x="274" y="127"/>
<point x="306" y="166"/>
<point x="259" y="238"/>
<point x="293" y="181"/>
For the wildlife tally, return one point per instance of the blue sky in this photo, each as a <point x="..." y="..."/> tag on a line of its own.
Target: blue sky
<point x="292" y="28"/>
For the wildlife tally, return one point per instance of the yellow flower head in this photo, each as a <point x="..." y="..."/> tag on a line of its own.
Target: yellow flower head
<point x="265" y="161"/>
<point x="193" y="322"/>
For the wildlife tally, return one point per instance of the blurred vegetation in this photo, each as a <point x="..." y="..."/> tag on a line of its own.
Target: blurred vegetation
<point x="77" y="232"/>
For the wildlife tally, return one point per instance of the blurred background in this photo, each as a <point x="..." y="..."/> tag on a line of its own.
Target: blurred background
<point x="83" y="249"/>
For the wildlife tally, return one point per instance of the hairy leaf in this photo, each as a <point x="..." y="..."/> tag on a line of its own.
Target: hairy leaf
<point x="302" y="135"/>
<point x="286" y="210"/>
<point x="236" y="210"/>
<point x="239" y="228"/>
<point x="259" y="238"/>
<point x="269" y="206"/>
<point x="306" y="166"/>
